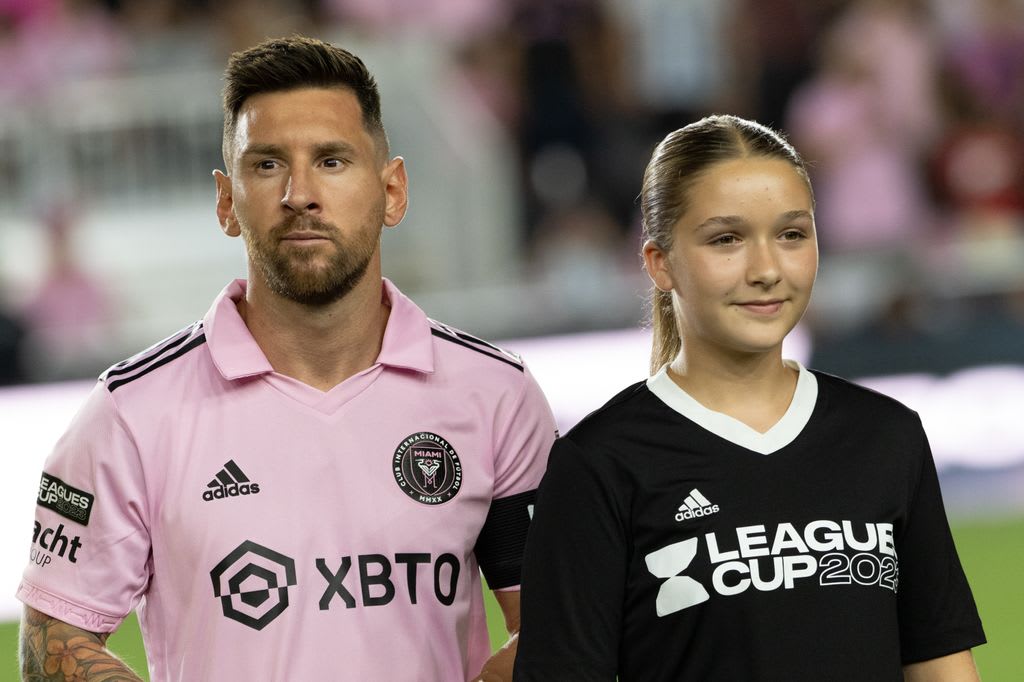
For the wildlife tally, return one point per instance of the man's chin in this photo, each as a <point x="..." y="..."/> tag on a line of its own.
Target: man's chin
<point x="315" y="289"/>
<point x="313" y="296"/>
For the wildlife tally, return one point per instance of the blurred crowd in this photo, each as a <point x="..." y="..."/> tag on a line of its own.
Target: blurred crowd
<point x="911" y="113"/>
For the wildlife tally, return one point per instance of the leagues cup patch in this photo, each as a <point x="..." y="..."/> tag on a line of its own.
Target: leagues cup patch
<point x="426" y="468"/>
<point x="66" y="500"/>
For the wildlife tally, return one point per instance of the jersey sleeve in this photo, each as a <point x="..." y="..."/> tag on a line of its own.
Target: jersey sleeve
<point x="90" y="546"/>
<point x="937" y="613"/>
<point x="523" y="442"/>
<point x="574" y="573"/>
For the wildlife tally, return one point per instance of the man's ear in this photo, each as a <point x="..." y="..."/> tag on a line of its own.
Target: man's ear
<point x="225" y="205"/>
<point x="396" y="191"/>
<point x="657" y="266"/>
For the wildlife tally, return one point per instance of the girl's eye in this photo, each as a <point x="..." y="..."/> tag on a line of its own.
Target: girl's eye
<point x="724" y="240"/>
<point x="792" y="235"/>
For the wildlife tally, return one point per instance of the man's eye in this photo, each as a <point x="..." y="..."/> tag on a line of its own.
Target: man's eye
<point x="267" y="164"/>
<point x="333" y="163"/>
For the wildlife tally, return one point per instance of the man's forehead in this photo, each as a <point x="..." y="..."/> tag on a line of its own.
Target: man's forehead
<point x="291" y="116"/>
<point x="338" y="102"/>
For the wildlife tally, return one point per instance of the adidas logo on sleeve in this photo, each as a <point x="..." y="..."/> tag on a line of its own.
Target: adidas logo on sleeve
<point x="230" y="481"/>
<point x="694" y="506"/>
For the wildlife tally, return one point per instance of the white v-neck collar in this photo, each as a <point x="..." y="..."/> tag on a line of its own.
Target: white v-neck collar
<point x="774" y="439"/>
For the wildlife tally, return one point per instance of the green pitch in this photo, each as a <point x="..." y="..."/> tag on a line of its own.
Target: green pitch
<point x="992" y="553"/>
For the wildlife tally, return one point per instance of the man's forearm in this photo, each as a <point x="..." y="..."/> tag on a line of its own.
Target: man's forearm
<point x="498" y="667"/>
<point x="53" y="650"/>
<point x="958" y="667"/>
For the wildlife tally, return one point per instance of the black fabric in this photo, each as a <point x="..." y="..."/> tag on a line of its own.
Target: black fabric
<point x="499" y="548"/>
<point x="12" y="347"/>
<point x="836" y="546"/>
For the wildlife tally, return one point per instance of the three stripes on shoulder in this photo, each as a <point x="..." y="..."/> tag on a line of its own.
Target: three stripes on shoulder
<point x="157" y="355"/>
<point x="446" y="333"/>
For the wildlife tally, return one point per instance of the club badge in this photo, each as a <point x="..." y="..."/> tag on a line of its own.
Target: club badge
<point x="427" y="469"/>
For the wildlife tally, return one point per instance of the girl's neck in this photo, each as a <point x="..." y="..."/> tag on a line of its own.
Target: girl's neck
<point x="754" y="388"/>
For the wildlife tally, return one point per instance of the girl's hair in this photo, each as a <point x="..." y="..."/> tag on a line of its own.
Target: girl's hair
<point x="676" y="164"/>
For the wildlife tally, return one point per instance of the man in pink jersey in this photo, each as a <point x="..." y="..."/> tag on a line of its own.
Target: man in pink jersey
<point x="306" y="483"/>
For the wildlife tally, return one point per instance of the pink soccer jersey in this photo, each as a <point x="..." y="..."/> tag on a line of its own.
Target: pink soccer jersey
<point x="267" y="530"/>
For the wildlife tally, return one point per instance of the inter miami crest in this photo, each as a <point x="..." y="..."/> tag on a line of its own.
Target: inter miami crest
<point x="427" y="469"/>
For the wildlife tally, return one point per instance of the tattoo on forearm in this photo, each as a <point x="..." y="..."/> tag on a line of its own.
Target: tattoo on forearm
<point x="58" y="652"/>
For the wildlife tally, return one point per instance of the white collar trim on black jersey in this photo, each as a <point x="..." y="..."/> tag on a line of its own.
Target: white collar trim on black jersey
<point x="777" y="437"/>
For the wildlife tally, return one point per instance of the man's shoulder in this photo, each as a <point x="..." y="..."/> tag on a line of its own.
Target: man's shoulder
<point x="166" y="353"/>
<point x="472" y="352"/>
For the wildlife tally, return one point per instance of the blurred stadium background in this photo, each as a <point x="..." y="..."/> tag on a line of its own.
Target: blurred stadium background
<point x="526" y="125"/>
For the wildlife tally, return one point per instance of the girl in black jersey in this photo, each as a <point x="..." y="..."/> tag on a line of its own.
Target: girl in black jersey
<point x="737" y="516"/>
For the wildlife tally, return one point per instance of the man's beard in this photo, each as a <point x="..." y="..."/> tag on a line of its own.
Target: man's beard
<point x="289" y="272"/>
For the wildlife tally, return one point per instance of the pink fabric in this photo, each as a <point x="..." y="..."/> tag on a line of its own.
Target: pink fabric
<point x="864" y="122"/>
<point x="54" y="45"/>
<point x="329" y="510"/>
<point x="867" y="191"/>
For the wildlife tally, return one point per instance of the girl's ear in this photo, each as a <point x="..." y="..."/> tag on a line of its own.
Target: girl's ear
<point x="657" y="266"/>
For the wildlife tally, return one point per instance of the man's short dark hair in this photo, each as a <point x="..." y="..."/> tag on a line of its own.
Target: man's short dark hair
<point x="298" y="62"/>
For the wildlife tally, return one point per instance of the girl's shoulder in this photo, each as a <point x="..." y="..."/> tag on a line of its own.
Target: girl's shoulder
<point x="836" y="394"/>
<point x="619" y="411"/>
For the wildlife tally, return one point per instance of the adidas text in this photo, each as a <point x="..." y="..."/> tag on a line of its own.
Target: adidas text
<point x="696" y="513"/>
<point x="233" y="490"/>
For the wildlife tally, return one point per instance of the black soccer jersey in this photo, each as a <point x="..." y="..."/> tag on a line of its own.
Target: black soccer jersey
<point x="670" y="542"/>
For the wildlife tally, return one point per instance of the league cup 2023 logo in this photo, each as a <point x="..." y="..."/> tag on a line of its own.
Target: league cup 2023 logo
<point x="427" y="468"/>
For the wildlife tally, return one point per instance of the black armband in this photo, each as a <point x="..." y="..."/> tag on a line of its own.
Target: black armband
<point x="499" y="549"/>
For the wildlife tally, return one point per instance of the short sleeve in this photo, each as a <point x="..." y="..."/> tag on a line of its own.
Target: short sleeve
<point x="90" y="545"/>
<point x="574" y="573"/>
<point x="521" y="451"/>
<point x="937" y="613"/>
